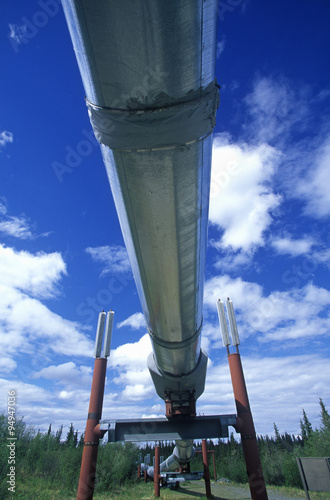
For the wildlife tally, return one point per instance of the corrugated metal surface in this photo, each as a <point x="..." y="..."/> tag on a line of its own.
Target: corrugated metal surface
<point x="138" y="55"/>
<point x="147" y="67"/>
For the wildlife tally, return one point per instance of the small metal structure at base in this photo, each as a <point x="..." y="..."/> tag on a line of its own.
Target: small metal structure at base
<point x="206" y="470"/>
<point x="245" y="425"/>
<point x="214" y="468"/>
<point x="314" y="473"/>
<point x="93" y="431"/>
<point x="172" y="429"/>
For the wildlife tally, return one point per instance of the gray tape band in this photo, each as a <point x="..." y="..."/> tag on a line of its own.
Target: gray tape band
<point x="176" y="345"/>
<point x="171" y="123"/>
<point x="94" y="416"/>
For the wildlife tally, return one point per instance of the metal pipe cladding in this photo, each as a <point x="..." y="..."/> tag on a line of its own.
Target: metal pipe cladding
<point x="148" y="73"/>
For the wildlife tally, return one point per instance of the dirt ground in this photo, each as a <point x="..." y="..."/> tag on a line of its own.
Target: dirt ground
<point x="230" y="492"/>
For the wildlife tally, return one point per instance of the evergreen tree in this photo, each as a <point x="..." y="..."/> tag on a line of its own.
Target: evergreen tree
<point x="70" y="437"/>
<point x="81" y="440"/>
<point x="306" y="427"/>
<point x="59" y="434"/>
<point x="75" y="439"/>
<point x="278" y="438"/>
<point x="277" y="433"/>
<point x="325" y="418"/>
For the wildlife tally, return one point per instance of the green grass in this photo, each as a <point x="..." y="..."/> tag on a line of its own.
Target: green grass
<point x="31" y="488"/>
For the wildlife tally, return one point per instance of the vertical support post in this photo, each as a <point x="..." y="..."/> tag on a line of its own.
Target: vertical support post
<point x="157" y="472"/>
<point x="245" y="427"/>
<point x="139" y="472"/>
<point x="92" y="433"/>
<point x="206" y="470"/>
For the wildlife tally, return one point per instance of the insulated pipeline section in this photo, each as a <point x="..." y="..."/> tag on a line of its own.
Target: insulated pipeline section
<point x="148" y="73"/>
<point x="163" y="206"/>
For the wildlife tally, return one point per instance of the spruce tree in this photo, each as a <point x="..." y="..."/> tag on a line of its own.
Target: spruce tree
<point x="59" y="434"/>
<point x="325" y="418"/>
<point x="70" y="436"/>
<point x="306" y="427"/>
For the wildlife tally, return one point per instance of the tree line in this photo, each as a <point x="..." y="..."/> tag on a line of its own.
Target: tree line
<point x="278" y="453"/>
<point x="56" y="458"/>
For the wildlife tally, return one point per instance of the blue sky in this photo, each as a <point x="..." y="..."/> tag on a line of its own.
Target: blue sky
<point x="62" y="257"/>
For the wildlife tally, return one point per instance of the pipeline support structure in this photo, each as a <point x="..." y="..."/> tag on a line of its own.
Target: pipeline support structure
<point x="244" y="422"/>
<point x="206" y="469"/>
<point x="148" y="71"/>
<point x="245" y="427"/>
<point x="93" y="431"/>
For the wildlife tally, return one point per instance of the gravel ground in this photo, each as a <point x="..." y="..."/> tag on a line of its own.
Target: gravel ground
<point x="228" y="492"/>
<point x="231" y="492"/>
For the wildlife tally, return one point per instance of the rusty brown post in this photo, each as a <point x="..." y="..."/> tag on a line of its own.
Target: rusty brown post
<point x="206" y="470"/>
<point x="245" y="427"/>
<point x="157" y="472"/>
<point x="92" y="433"/>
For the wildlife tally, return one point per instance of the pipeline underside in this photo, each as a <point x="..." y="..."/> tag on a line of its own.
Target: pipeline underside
<point x="148" y="74"/>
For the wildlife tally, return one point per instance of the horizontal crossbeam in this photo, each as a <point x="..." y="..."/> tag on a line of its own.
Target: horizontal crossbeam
<point x="164" y="429"/>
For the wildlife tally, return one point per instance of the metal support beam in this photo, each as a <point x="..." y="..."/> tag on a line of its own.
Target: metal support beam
<point x="206" y="470"/>
<point x="93" y="432"/>
<point x="156" y="472"/>
<point x="246" y="428"/>
<point x="163" y="429"/>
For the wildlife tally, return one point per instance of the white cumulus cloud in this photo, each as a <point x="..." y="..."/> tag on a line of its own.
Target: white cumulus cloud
<point x="135" y="321"/>
<point x="276" y="383"/>
<point x="6" y="137"/>
<point x="291" y="246"/>
<point x="297" y="315"/>
<point x="37" y="274"/>
<point x="68" y="374"/>
<point x="114" y="258"/>
<point x="274" y="108"/>
<point x="314" y="186"/>
<point x="242" y="199"/>
<point x="17" y="32"/>
<point x="132" y="355"/>
<point x="25" y="280"/>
